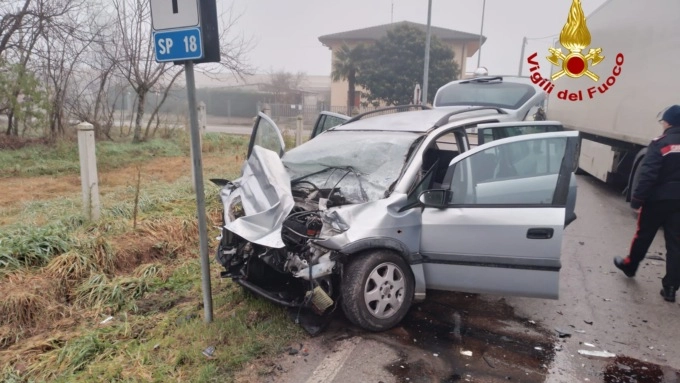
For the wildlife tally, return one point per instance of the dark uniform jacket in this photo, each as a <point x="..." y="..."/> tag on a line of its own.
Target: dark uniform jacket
<point x="660" y="172"/>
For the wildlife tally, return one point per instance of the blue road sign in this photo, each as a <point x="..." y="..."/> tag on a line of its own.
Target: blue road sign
<point x="178" y="45"/>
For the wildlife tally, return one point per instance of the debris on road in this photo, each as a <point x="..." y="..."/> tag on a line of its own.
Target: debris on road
<point x="466" y="353"/>
<point x="209" y="352"/>
<point x="599" y="354"/>
<point x="488" y="361"/>
<point x="656" y="258"/>
<point x="107" y="320"/>
<point x="588" y="344"/>
<point x="588" y="322"/>
<point x="562" y="334"/>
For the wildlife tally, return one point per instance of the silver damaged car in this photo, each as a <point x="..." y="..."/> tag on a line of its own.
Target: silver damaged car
<point x="370" y="214"/>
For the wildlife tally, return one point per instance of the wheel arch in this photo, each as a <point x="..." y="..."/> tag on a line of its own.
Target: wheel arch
<point x="413" y="259"/>
<point x="631" y="177"/>
<point x="380" y="243"/>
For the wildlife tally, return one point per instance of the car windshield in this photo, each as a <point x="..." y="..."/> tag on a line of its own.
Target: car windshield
<point x="495" y="94"/>
<point x="361" y="165"/>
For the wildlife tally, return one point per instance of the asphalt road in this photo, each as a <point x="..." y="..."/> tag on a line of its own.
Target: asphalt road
<point x="456" y="337"/>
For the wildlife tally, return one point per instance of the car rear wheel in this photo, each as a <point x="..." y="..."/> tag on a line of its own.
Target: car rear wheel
<point x="377" y="290"/>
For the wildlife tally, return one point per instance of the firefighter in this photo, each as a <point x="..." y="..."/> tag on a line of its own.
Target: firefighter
<point x="656" y="199"/>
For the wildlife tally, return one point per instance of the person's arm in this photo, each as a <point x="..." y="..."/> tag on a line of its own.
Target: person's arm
<point x="649" y="175"/>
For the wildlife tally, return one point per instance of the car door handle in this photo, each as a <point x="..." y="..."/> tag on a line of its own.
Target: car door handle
<point x="540" y="233"/>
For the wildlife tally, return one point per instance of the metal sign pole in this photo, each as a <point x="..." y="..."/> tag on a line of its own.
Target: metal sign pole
<point x="426" y="70"/>
<point x="197" y="166"/>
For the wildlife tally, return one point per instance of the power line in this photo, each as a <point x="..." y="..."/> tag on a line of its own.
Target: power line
<point x="542" y="38"/>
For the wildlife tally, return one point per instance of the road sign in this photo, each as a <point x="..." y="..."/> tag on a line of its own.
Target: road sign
<point x="174" y="14"/>
<point x="178" y="45"/>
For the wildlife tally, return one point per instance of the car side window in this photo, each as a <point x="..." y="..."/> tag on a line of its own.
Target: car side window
<point x="517" y="173"/>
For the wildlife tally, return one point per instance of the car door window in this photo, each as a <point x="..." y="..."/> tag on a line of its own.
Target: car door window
<point x="515" y="173"/>
<point x="330" y="122"/>
<point x="496" y="133"/>
<point x="327" y="121"/>
<point x="267" y="135"/>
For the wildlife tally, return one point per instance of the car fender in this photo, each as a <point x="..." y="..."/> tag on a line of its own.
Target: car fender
<point x="372" y="243"/>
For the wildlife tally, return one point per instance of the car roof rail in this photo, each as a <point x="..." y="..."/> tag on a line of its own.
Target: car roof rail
<point x="398" y="108"/>
<point x="445" y="119"/>
<point x="482" y="79"/>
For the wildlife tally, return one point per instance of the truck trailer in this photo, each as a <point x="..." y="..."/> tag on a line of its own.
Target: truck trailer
<point x="638" y="76"/>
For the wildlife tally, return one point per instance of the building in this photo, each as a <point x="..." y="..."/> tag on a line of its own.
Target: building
<point x="463" y="44"/>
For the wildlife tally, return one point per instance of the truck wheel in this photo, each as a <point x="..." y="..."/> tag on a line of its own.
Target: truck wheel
<point x="636" y="178"/>
<point x="377" y="290"/>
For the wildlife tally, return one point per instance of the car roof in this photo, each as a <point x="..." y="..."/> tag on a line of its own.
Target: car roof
<point x="419" y="121"/>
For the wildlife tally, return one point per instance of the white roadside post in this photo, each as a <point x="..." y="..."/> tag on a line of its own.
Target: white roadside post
<point x="88" y="171"/>
<point x="186" y="32"/>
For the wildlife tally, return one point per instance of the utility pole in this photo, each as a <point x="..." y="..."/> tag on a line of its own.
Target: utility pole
<point x="427" y="53"/>
<point x="481" y="32"/>
<point x="392" y="14"/>
<point x="521" y="56"/>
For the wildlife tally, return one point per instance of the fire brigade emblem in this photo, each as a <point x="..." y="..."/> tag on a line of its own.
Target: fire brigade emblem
<point x="575" y="37"/>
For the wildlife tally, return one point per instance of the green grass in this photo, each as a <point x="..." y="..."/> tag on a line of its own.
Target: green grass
<point x="163" y="346"/>
<point x="62" y="157"/>
<point x="158" y="332"/>
<point x="30" y="246"/>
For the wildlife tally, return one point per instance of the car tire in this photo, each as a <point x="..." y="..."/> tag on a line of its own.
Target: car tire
<point x="377" y="290"/>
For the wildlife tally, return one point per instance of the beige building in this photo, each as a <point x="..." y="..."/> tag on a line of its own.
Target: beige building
<point x="463" y="44"/>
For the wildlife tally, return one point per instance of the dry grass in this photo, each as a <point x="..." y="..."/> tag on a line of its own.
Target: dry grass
<point x="28" y="301"/>
<point x="50" y="317"/>
<point x="71" y="266"/>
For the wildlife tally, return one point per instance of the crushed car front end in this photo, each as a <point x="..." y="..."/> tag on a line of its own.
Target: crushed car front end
<point x="290" y="224"/>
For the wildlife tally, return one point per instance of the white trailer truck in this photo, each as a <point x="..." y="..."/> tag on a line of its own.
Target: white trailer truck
<point x="638" y="78"/>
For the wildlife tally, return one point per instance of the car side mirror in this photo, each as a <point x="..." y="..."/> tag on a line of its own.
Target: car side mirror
<point x="438" y="198"/>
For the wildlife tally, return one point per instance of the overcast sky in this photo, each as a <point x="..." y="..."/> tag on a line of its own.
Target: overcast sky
<point x="286" y="32"/>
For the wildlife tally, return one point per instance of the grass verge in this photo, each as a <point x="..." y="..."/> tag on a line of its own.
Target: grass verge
<point x="61" y="158"/>
<point x="102" y="301"/>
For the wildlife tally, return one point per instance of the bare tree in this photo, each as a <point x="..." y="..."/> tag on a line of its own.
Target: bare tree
<point x="136" y="59"/>
<point x="68" y="40"/>
<point x="13" y="18"/>
<point x="137" y="63"/>
<point x="95" y="85"/>
<point x="285" y="86"/>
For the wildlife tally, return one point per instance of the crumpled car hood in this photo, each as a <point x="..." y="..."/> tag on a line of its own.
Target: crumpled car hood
<point x="265" y="195"/>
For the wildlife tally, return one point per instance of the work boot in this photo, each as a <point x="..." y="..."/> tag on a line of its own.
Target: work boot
<point x="625" y="265"/>
<point x="668" y="293"/>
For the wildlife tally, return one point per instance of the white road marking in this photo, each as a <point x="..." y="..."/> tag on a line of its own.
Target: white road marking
<point x="332" y="364"/>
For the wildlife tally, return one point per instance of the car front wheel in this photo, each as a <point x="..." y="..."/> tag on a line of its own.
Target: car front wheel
<point x="377" y="290"/>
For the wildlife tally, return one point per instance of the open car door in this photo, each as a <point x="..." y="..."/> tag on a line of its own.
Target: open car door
<point x="497" y="131"/>
<point x="267" y="135"/>
<point x="498" y="227"/>
<point x="327" y="120"/>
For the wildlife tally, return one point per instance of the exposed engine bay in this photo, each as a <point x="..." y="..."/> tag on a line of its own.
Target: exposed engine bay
<point x="301" y="275"/>
<point x="297" y="272"/>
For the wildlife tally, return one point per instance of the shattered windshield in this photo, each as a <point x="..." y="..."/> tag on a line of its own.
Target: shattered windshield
<point x="360" y="165"/>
